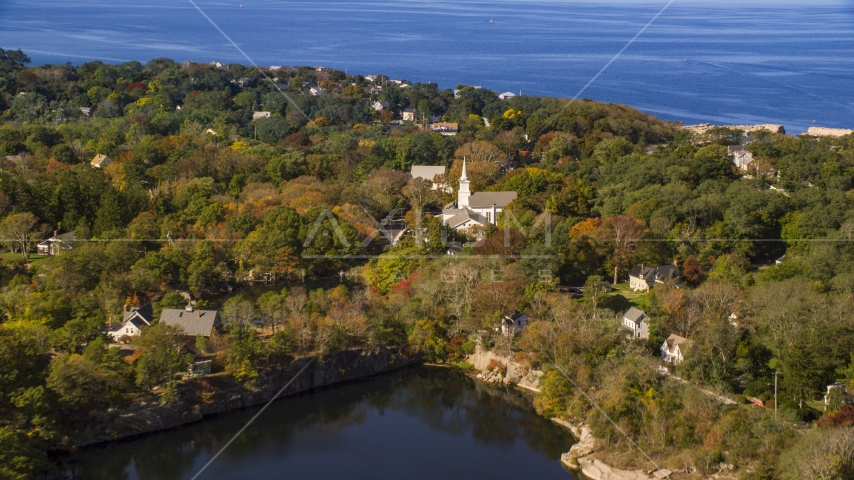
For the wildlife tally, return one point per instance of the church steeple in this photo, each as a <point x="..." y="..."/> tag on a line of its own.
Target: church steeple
<point x="464" y="192"/>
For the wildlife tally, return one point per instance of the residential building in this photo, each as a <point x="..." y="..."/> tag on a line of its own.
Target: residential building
<point x="260" y="115"/>
<point x="56" y="244"/>
<point x="446" y="128"/>
<point x="410" y="114"/>
<point x="506" y="95"/>
<point x="100" y="161"/>
<point x="475" y="208"/>
<point x="672" y="349"/>
<point x="741" y="157"/>
<point x="316" y="91"/>
<point x="86" y="111"/>
<point x="513" y="324"/>
<point x="635" y="320"/>
<point x="134" y="320"/>
<point x="643" y="278"/>
<point x="194" y="322"/>
<point x="380" y="106"/>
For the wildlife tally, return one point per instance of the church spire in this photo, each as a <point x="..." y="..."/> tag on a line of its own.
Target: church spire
<point x="464" y="193"/>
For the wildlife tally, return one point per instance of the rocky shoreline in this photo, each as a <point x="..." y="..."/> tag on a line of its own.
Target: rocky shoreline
<point x="494" y="368"/>
<point x="205" y="396"/>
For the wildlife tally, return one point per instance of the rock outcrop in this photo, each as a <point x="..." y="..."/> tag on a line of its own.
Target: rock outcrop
<point x="497" y="369"/>
<point x="148" y="415"/>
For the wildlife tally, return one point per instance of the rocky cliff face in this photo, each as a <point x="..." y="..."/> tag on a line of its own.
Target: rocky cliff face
<point x="512" y="374"/>
<point x="149" y="415"/>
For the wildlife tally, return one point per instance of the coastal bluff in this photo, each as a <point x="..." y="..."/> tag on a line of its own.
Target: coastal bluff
<point x="211" y="395"/>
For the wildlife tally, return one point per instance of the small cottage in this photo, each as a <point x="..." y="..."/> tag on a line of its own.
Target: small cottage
<point x="672" y="349"/>
<point x="513" y="324"/>
<point x="410" y="114"/>
<point x="56" y="244"/>
<point x="635" y="320"/>
<point x="260" y="115"/>
<point x="100" y="161"/>
<point x="134" y="320"/>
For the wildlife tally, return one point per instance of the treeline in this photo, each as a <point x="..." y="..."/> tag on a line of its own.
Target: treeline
<point x="201" y="198"/>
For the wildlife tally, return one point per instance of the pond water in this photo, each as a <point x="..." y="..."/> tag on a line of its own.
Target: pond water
<point x="418" y="423"/>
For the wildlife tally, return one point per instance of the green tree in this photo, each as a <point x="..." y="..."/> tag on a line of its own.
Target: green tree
<point x="163" y="355"/>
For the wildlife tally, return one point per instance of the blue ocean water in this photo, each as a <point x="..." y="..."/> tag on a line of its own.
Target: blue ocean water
<point x="701" y="61"/>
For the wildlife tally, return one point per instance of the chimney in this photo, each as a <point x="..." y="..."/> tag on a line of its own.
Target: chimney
<point x="127" y="308"/>
<point x="55" y="232"/>
<point x="189" y="307"/>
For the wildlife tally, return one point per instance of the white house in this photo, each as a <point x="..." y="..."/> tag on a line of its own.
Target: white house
<point x="100" y="161"/>
<point x="643" y="278"/>
<point x="134" y="320"/>
<point x="316" y="91"/>
<point x="671" y="349"/>
<point x="635" y="320"/>
<point x="56" y="244"/>
<point x="475" y="209"/>
<point x="513" y="324"/>
<point x="376" y="90"/>
<point x="741" y="157"/>
<point x="260" y="115"/>
<point x="506" y="95"/>
<point x="380" y="106"/>
<point x="445" y="128"/>
<point x="371" y="78"/>
<point x="410" y="114"/>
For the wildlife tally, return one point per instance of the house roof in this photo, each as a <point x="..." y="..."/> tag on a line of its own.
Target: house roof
<point x="257" y="115"/>
<point x="445" y="127"/>
<point x="487" y="199"/>
<point x="634" y="315"/>
<point x="409" y="110"/>
<point x="427" y="172"/>
<point x="656" y="274"/>
<point x="146" y="312"/>
<point x="67" y="237"/>
<point x="674" y="341"/>
<point x="100" y="159"/>
<point x="464" y="216"/>
<point x="198" y="322"/>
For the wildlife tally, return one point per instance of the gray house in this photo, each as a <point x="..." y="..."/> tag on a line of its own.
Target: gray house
<point x="635" y="320"/>
<point x="194" y="322"/>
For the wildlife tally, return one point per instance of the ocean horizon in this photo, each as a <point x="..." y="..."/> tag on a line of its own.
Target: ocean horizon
<point x="787" y="63"/>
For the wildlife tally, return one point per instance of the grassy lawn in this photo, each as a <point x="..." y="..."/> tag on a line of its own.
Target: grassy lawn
<point x="621" y="298"/>
<point x="6" y="257"/>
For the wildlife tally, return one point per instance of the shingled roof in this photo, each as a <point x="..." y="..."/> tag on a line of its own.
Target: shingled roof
<point x="194" y="322"/>
<point x="488" y="199"/>
<point x="634" y="314"/>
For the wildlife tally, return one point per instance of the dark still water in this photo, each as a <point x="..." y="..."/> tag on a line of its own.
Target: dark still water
<point x="420" y="423"/>
<point x="721" y="61"/>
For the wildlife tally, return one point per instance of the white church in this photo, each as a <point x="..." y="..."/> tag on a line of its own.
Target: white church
<point x="475" y="209"/>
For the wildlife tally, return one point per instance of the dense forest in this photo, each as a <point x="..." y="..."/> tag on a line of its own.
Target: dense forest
<point x="201" y="200"/>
